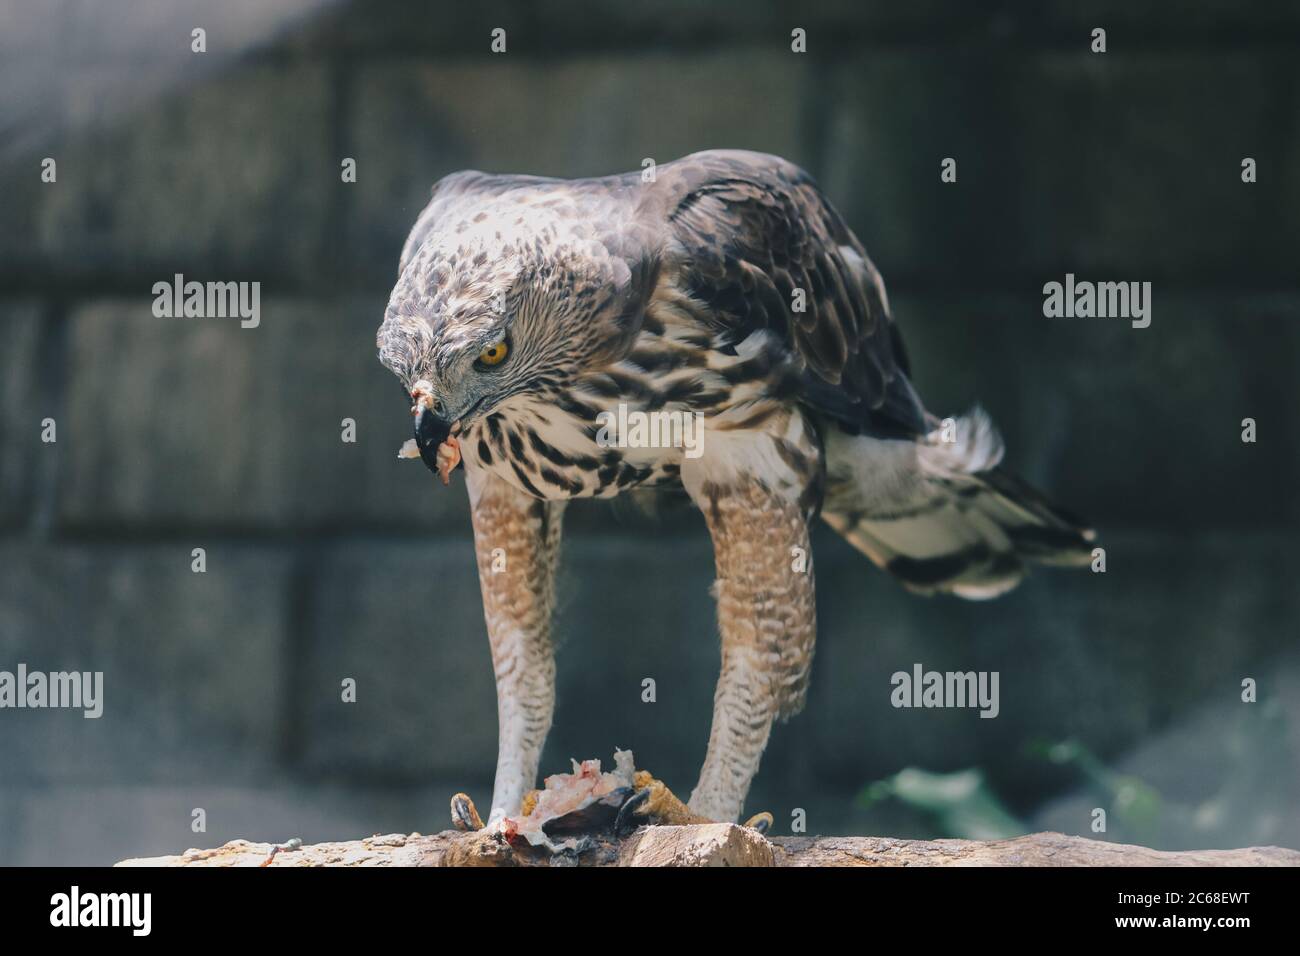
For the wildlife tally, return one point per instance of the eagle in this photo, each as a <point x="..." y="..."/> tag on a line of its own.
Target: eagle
<point x="529" y="313"/>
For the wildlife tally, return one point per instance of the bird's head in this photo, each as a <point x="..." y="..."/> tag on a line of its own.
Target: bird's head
<point x="476" y="323"/>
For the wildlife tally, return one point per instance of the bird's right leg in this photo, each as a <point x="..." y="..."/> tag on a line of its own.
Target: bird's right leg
<point x="517" y="541"/>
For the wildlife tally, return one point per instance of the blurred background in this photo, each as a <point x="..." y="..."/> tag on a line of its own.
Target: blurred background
<point x="328" y="560"/>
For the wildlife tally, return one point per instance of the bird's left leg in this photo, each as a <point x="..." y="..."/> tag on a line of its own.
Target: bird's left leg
<point x="767" y="620"/>
<point x="766" y="610"/>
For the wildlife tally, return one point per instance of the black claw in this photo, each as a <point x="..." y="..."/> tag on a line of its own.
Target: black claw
<point x="625" y="812"/>
<point x="463" y="815"/>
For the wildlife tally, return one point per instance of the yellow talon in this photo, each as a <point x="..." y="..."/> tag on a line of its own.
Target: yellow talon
<point x="656" y="803"/>
<point x="662" y="805"/>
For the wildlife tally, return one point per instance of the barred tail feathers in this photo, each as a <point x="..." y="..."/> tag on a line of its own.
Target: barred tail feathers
<point x="941" y="515"/>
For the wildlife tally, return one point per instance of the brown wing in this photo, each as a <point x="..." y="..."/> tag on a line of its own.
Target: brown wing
<point x="750" y="231"/>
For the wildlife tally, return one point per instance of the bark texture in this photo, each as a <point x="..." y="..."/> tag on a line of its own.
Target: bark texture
<point x="720" y="844"/>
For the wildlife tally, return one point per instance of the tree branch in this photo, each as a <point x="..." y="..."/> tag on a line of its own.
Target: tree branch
<point x="720" y="844"/>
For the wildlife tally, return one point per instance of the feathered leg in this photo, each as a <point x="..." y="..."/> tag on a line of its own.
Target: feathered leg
<point x="517" y="540"/>
<point x="767" y="619"/>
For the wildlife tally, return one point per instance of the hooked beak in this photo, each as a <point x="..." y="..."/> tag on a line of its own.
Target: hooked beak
<point x="431" y="431"/>
<point x="431" y="428"/>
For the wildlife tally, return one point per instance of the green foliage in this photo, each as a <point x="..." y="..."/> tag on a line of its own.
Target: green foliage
<point x="960" y="804"/>
<point x="1128" y="800"/>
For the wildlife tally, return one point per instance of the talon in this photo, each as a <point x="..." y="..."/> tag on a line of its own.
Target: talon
<point x="658" y="804"/>
<point x="762" y="822"/>
<point x="464" y="815"/>
<point x="623" y="823"/>
<point x="294" y="844"/>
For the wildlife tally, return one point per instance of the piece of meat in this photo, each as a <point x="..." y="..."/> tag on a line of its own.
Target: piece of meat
<point x="566" y="796"/>
<point x="422" y="396"/>
<point x="448" y="458"/>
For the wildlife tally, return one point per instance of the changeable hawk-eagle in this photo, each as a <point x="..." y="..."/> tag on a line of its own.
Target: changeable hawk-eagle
<point x="725" y="285"/>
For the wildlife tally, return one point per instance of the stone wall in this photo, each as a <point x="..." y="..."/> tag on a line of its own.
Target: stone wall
<point x="328" y="560"/>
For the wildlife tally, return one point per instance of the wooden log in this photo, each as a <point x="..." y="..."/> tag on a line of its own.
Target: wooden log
<point x="720" y="844"/>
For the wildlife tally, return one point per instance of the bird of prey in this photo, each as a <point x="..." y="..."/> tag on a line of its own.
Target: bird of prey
<point x="722" y="285"/>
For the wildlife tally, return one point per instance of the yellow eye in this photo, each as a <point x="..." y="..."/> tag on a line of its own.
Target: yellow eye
<point x="494" y="354"/>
